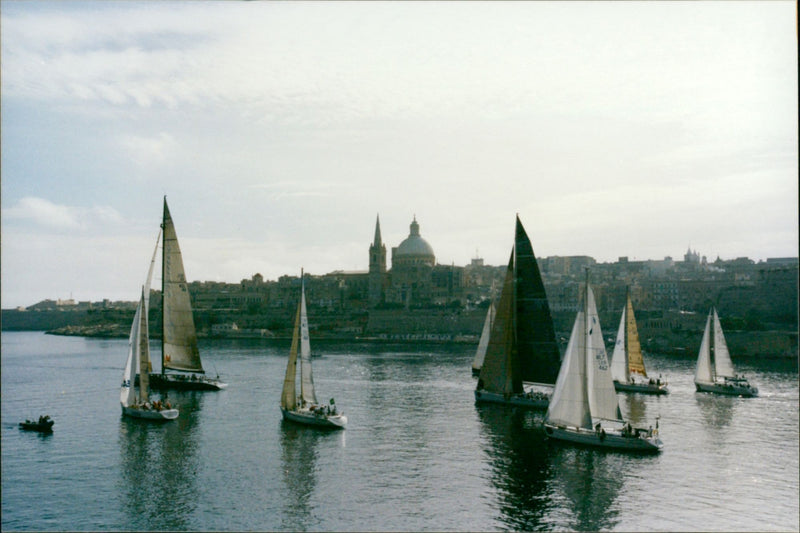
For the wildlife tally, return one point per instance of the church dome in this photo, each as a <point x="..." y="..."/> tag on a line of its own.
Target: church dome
<point x="415" y="245"/>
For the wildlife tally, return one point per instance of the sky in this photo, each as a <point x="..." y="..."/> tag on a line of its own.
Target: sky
<point x="279" y="131"/>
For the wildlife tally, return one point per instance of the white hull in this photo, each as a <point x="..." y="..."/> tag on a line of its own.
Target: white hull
<point x="526" y="400"/>
<point x="610" y="439"/>
<point x="304" y="416"/>
<point x="729" y="389"/>
<point x="150" y="414"/>
<point x="647" y="388"/>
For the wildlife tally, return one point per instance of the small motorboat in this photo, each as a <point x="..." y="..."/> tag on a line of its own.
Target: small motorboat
<point x="43" y="425"/>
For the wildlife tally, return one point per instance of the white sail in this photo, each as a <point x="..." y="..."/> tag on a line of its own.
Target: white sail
<point x="703" y="370"/>
<point x="619" y="359"/>
<point x="602" y="395"/>
<point x="569" y="405"/>
<point x="127" y="393"/>
<point x="179" y="344"/>
<point x="306" y="375"/>
<point x="139" y="343"/>
<point x="483" y="343"/>
<point x="722" y="357"/>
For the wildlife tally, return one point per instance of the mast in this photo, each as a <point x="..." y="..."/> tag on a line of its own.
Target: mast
<point x="712" y="347"/>
<point x="587" y="360"/>
<point x="163" y="282"/>
<point x="627" y="354"/>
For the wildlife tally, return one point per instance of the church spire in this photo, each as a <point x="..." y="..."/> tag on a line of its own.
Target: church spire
<point x="377" y="241"/>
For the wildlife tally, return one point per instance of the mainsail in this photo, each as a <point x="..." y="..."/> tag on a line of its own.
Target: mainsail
<point x="602" y="394"/>
<point x="306" y="376"/>
<point x="179" y="338"/>
<point x="722" y="357"/>
<point x="539" y="357"/>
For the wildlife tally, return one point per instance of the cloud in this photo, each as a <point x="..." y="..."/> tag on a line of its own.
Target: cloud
<point x="46" y="214"/>
<point x="146" y="150"/>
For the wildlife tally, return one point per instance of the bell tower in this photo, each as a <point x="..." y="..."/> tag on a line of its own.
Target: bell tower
<point x="377" y="266"/>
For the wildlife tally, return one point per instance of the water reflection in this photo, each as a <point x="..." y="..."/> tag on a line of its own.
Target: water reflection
<point x="519" y="455"/>
<point x="299" y="454"/>
<point x="159" y="462"/>
<point x="590" y="480"/>
<point x="717" y="410"/>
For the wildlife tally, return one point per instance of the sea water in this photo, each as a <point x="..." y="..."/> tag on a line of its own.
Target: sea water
<point x="417" y="454"/>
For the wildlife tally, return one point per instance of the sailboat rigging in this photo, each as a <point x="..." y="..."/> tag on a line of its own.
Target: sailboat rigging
<point x="584" y="408"/>
<point x="627" y="361"/>
<point x="304" y="408"/>
<point x="715" y="371"/>
<point x="138" y="364"/>
<point x="179" y="351"/>
<point x="522" y="347"/>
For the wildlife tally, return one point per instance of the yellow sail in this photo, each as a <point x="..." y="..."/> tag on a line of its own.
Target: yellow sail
<point x="634" y="348"/>
<point x="289" y="394"/>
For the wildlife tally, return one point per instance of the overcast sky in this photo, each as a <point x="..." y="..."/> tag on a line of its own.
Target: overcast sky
<point x="279" y="130"/>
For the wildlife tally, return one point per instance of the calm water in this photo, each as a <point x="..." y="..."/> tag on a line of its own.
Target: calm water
<point x="417" y="454"/>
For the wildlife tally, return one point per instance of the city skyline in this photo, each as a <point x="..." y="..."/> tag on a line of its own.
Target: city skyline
<point x="279" y="131"/>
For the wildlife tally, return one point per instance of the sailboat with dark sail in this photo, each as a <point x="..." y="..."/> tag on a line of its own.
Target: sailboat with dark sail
<point x="181" y="367"/>
<point x="522" y="350"/>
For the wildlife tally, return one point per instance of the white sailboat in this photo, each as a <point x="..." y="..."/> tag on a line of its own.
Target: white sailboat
<point x="522" y="349"/>
<point x="715" y="371"/>
<point x="138" y="362"/>
<point x="179" y="352"/>
<point x="584" y="408"/>
<point x="627" y="362"/>
<point x="304" y="408"/>
<point x="483" y="343"/>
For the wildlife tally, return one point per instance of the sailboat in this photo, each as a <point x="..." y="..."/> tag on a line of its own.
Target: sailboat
<point x="522" y="348"/>
<point x="179" y="350"/>
<point x="627" y="362"/>
<point x="584" y="408"/>
<point x="715" y="371"/>
<point x="304" y="408"/>
<point x="138" y="362"/>
<point x="483" y="342"/>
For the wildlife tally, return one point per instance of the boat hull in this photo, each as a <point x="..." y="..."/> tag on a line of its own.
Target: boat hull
<point x="727" y="389"/>
<point x="308" y="418"/>
<point x="150" y="414"/>
<point x="611" y="440"/>
<point x="46" y="427"/>
<point x="525" y="400"/>
<point x="646" y="388"/>
<point x="184" y="382"/>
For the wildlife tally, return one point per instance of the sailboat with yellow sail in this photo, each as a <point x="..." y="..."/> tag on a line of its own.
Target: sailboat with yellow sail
<point x="627" y="362"/>
<point x="303" y="408"/>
